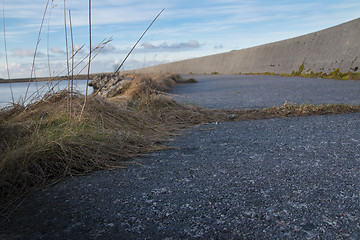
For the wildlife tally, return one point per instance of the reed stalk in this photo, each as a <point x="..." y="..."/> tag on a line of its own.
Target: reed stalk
<point x="118" y="69"/>
<point x="47" y="42"/>
<point x="67" y="54"/>
<point x="72" y="67"/>
<point x="6" y="55"/>
<point x="34" y="58"/>
<point x="98" y="48"/>
<point x="89" y="64"/>
<point x="122" y="63"/>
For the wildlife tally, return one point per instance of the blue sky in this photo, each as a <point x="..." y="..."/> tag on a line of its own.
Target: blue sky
<point x="186" y="29"/>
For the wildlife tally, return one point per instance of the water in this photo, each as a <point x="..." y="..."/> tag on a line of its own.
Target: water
<point x="19" y="89"/>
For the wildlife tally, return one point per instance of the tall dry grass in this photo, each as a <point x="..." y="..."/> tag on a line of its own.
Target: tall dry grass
<point x="42" y="145"/>
<point x="40" y="142"/>
<point x="6" y="52"/>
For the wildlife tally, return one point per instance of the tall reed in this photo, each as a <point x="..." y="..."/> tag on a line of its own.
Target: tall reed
<point x="32" y="73"/>
<point x="72" y="67"/>
<point x="89" y="64"/>
<point x="6" y="54"/>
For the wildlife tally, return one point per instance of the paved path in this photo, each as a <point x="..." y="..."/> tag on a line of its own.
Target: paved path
<point x="244" y="91"/>
<point x="294" y="178"/>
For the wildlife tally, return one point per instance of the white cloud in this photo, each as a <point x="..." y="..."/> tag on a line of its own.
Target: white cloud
<point x="172" y="47"/>
<point x="17" y="70"/>
<point x="20" y="52"/>
<point x="109" y="48"/>
<point x="57" y="50"/>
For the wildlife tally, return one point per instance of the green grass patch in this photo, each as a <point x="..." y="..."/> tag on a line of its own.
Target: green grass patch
<point x="336" y="74"/>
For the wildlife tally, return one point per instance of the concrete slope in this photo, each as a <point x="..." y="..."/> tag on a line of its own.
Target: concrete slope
<point x="322" y="51"/>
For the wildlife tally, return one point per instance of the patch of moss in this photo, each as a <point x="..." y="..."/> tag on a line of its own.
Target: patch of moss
<point x="301" y="68"/>
<point x="336" y="74"/>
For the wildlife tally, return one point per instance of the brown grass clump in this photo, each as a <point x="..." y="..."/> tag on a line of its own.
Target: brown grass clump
<point x="41" y="145"/>
<point x="292" y="110"/>
<point x="336" y="74"/>
<point x="149" y="84"/>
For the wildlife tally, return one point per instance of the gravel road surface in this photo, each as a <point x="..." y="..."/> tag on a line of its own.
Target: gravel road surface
<point x="293" y="178"/>
<point x="254" y="91"/>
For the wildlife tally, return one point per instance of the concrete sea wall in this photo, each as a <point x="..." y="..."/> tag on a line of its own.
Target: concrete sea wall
<point x="322" y="51"/>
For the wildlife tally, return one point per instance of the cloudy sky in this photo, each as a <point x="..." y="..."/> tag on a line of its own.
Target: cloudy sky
<point x="186" y="29"/>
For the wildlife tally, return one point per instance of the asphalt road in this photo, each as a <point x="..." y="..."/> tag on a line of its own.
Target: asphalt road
<point x="293" y="178"/>
<point x="248" y="91"/>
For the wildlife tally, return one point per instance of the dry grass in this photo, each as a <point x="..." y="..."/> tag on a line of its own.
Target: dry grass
<point x="336" y="74"/>
<point x="144" y="85"/>
<point x="40" y="145"/>
<point x="293" y="110"/>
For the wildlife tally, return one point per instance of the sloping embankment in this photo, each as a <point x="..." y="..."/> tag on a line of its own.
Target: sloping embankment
<point x="323" y="51"/>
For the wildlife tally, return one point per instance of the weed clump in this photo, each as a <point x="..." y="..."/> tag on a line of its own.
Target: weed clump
<point x="41" y="145"/>
<point x="293" y="110"/>
<point x="336" y="74"/>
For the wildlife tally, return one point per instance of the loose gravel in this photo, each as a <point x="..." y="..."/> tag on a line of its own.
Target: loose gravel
<point x="292" y="178"/>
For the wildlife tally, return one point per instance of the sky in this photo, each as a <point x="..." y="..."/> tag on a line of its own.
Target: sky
<point x="186" y="29"/>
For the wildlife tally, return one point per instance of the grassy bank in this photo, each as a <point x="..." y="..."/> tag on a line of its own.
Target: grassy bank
<point x="336" y="74"/>
<point x="43" y="143"/>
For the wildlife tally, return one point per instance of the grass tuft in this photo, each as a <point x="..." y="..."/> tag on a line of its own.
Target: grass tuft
<point x="40" y="144"/>
<point x="336" y="74"/>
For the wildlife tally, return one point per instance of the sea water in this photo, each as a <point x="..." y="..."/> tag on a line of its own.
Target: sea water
<point x="36" y="90"/>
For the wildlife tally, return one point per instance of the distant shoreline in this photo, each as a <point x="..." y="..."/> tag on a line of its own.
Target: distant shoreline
<point x="42" y="79"/>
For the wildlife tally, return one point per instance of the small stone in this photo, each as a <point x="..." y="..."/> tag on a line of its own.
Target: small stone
<point x="231" y="116"/>
<point x="308" y="226"/>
